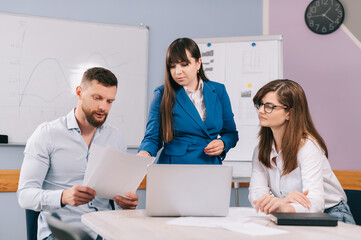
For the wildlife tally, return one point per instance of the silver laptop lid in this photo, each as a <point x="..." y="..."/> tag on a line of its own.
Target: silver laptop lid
<point x="188" y="190"/>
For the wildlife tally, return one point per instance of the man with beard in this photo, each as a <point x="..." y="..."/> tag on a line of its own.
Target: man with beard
<point x="56" y="155"/>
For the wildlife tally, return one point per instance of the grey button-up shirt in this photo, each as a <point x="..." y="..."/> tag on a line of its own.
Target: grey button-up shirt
<point x="55" y="158"/>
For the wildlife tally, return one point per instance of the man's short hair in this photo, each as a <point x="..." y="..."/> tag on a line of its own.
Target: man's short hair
<point x="102" y="75"/>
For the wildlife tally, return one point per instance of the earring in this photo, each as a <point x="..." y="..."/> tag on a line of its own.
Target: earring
<point x="198" y="71"/>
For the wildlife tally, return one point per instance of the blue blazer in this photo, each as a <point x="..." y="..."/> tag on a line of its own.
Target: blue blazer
<point x="191" y="134"/>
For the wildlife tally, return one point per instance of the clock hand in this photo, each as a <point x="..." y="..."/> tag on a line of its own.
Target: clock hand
<point x="325" y="15"/>
<point x="327" y="11"/>
<point x="329" y="19"/>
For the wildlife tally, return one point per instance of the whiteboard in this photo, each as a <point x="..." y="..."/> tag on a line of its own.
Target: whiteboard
<point x="43" y="59"/>
<point x="244" y="65"/>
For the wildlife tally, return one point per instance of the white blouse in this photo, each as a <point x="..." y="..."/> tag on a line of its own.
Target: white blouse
<point x="313" y="173"/>
<point x="197" y="99"/>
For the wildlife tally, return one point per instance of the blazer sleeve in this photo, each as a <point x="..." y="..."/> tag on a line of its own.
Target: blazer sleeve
<point x="229" y="133"/>
<point x="152" y="141"/>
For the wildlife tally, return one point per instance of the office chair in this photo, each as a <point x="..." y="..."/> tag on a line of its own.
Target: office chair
<point x="64" y="231"/>
<point x="354" y="200"/>
<point x="31" y="224"/>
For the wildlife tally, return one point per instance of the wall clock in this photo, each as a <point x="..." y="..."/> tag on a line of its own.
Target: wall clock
<point x="324" y="16"/>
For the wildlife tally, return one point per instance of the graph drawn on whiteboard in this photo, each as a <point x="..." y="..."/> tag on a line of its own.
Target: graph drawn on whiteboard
<point x="44" y="59"/>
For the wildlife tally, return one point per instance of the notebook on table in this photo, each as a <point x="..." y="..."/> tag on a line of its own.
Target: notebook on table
<point x="188" y="190"/>
<point x="303" y="219"/>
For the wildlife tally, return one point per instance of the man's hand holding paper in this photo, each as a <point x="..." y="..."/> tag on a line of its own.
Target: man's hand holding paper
<point x="116" y="175"/>
<point x="77" y="195"/>
<point x="130" y="201"/>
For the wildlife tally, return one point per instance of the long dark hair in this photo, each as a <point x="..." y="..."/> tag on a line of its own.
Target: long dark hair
<point x="176" y="53"/>
<point x="298" y="128"/>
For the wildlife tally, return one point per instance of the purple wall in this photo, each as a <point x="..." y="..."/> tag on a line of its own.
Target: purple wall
<point x="329" y="69"/>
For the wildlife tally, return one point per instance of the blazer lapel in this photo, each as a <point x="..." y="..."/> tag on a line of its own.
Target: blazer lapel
<point x="185" y="102"/>
<point x="210" y="99"/>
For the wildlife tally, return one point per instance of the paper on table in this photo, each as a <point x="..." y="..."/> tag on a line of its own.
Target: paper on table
<point x="245" y="212"/>
<point x="234" y="215"/>
<point x="203" y="221"/>
<point x="111" y="172"/>
<point x="253" y="229"/>
<point x="235" y="221"/>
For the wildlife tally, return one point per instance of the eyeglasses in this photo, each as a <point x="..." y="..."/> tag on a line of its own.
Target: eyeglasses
<point x="268" y="107"/>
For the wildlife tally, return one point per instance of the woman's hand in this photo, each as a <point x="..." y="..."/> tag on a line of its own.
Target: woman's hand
<point x="214" y="148"/>
<point x="268" y="203"/>
<point x="298" y="197"/>
<point x="144" y="153"/>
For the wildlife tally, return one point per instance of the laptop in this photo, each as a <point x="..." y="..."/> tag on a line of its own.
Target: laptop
<point x="188" y="190"/>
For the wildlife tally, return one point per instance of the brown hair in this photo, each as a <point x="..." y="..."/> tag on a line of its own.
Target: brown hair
<point x="102" y="75"/>
<point x="299" y="127"/>
<point x="176" y="53"/>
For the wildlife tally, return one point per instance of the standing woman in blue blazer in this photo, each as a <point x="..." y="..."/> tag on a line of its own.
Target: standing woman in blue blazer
<point x="190" y="116"/>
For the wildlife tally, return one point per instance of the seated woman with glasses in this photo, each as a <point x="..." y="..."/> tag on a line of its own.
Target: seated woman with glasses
<point x="290" y="169"/>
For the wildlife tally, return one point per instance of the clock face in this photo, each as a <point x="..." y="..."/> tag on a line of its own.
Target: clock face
<point x="324" y="16"/>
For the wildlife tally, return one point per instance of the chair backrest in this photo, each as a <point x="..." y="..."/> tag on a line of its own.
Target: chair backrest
<point x="351" y="183"/>
<point x="64" y="231"/>
<point x="31" y="224"/>
<point x="354" y="200"/>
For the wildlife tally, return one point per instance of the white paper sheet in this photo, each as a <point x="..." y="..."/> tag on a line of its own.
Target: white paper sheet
<point x="253" y="229"/>
<point x="111" y="172"/>
<point x="236" y="221"/>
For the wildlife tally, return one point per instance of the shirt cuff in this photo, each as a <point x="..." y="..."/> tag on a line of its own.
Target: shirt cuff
<point x="53" y="199"/>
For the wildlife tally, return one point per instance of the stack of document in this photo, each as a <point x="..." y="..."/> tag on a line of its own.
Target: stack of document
<point x="111" y="172"/>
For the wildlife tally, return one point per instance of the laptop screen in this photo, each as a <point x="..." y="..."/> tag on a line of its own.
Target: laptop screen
<point x="188" y="190"/>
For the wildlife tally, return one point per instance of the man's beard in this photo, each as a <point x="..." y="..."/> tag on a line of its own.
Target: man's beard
<point x="90" y="118"/>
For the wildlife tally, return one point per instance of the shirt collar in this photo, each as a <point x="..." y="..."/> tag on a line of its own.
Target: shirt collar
<point x="72" y="123"/>
<point x="200" y="87"/>
<point x="71" y="120"/>
<point x="274" y="152"/>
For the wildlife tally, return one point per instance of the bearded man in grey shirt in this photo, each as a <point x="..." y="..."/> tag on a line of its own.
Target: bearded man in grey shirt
<point x="56" y="156"/>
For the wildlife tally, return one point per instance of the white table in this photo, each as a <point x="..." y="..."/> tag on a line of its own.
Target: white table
<point x="135" y="224"/>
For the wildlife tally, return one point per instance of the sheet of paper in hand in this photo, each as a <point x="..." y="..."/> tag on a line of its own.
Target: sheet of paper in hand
<point x="111" y="172"/>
